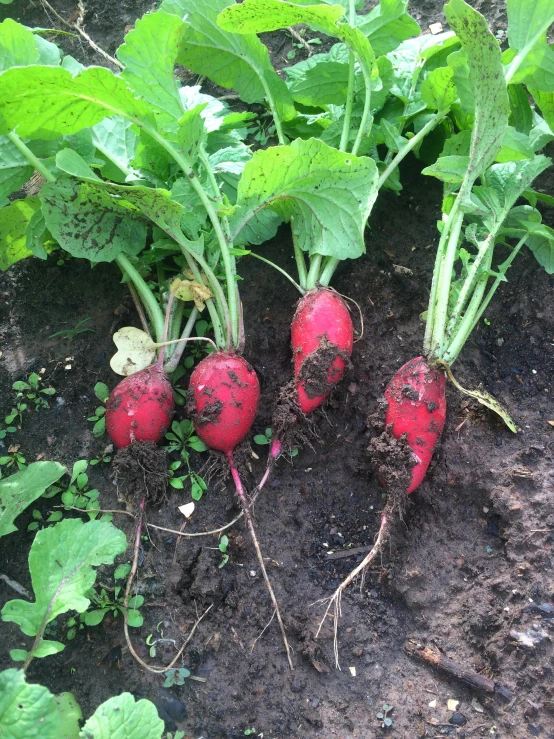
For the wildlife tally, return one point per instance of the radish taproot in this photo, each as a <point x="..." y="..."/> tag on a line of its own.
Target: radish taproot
<point x="222" y="401"/>
<point x="140" y="408"/>
<point x="322" y="336"/>
<point x="416" y="408"/>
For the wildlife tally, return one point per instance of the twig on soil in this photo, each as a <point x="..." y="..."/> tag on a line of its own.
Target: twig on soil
<point x="155" y="669"/>
<point x="16" y="586"/>
<point x="432" y="656"/>
<point x="77" y="27"/>
<point x="300" y="40"/>
<point x="246" y="507"/>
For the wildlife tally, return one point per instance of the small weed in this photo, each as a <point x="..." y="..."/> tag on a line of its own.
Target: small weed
<point x="183" y="440"/>
<point x="71" y="333"/>
<point x="102" y="393"/>
<point x="223" y="546"/>
<point x="32" y="392"/>
<point x="176" y="676"/>
<point x="40" y="522"/>
<point x="263" y="439"/>
<point x="384" y="717"/>
<point x="103" y="602"/>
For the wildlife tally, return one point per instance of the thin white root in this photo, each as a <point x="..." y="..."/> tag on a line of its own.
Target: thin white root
<point x="334" y="601"/>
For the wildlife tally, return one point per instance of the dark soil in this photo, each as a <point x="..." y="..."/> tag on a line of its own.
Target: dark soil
<point x="469" y="570"/>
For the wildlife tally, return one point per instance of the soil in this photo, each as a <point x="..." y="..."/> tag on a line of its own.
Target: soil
<point x="469" y="569"/>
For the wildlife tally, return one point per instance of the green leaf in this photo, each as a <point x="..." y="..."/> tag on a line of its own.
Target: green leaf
<point x="26" y="711"/>
<point x="515" y="146"/>
<point x="329" y="193"/>
<point x="256" y="16"/>
<point x="61" y="562"/>
<point x="533" y="63"/>
<point x="387" y="25"/>
<point x="18" y="491"/>
<point x="149" y="53"/>
<point x="486" y="75"/>
<point x="438" y="89"/>
<point x="47" y="102"/>
<point x="116" y="140"/>
<point x="123" y="718"/>
<point x="233" y="61"/>
<point x="541" y="243"/>
<point x="450" y="169"/>
<point x="18" y="47"/>
<point x="87" y="222"/>
<point x="545" y="101"/>
<point x="14" y="220"/>
<point x="93" y="618"/>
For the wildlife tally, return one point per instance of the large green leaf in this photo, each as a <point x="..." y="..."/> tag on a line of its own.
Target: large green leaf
<point x="46" y="102"/>
<point x="256" y="16"/>
<point x="486" y="73"/>
<point x="329" y="193"/>
<point x="149" y="53"/>
<point x="14" y="219"/>
<point x="62" y="561"/>
<point x="124" y="718"/>
<point x="387" y="25"/>
<point x="89" y="223"/>
<point x="26" y="711"/>
<point x="18" y="491"/>
<point x="231" y="60"/>
<point x="533" y="62"/>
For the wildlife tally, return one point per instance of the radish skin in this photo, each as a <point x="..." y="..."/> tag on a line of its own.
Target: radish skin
<point x="321" y="314"/>
<point x="416" y="407"/>
<point x="140" y="408"/>
<point x="223" y="399"/>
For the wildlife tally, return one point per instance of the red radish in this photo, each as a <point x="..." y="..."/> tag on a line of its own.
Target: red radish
<point x="416" y="406"/>
<point x="321" y="321"/>
<point x="224" y="394"/>
<point x="140" y="408"/>
<point x="222" y="400"/>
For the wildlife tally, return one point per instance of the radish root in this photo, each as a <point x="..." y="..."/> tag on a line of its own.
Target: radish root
<point x="334" y="602"/>
<point x="250" y="523"/>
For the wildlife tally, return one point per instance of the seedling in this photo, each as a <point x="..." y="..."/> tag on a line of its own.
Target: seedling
<point x="176" y="677"/>
<point x="263" y="439"/>
<point x="384" y="717"/>
<point x="41" y="522"/>
<point x="70" y="333"/>
<point x="223" y="546"/>
<point x="104" y="602"/>
<point x="102" y="393"/>
<point x="32" y="391"/>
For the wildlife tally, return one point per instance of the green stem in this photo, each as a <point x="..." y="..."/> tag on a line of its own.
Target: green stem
<point x="349" y="103"/>
<point x="437" y="273"/>
<point x="474" y="315"/>
<point x="31" y="158"/>
<point x="412" y="143"/>
<point x="279" y="269"/>
<point x="228" y="261"/>
<point x="149" y="301"/>
<point x="443" y="290"/>
<point x="273" y="108"/>
<point x="313" y="274"/>
<point x="299" y="257"/>
<point x="328" y="271"/>
<point x="172" y="364"/>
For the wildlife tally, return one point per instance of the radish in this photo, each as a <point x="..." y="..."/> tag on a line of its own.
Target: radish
<point x="416" y="407"/>
<point x="140" y="408"/>
<point x="322" y="336"/>
<point x="222" y="401"/>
